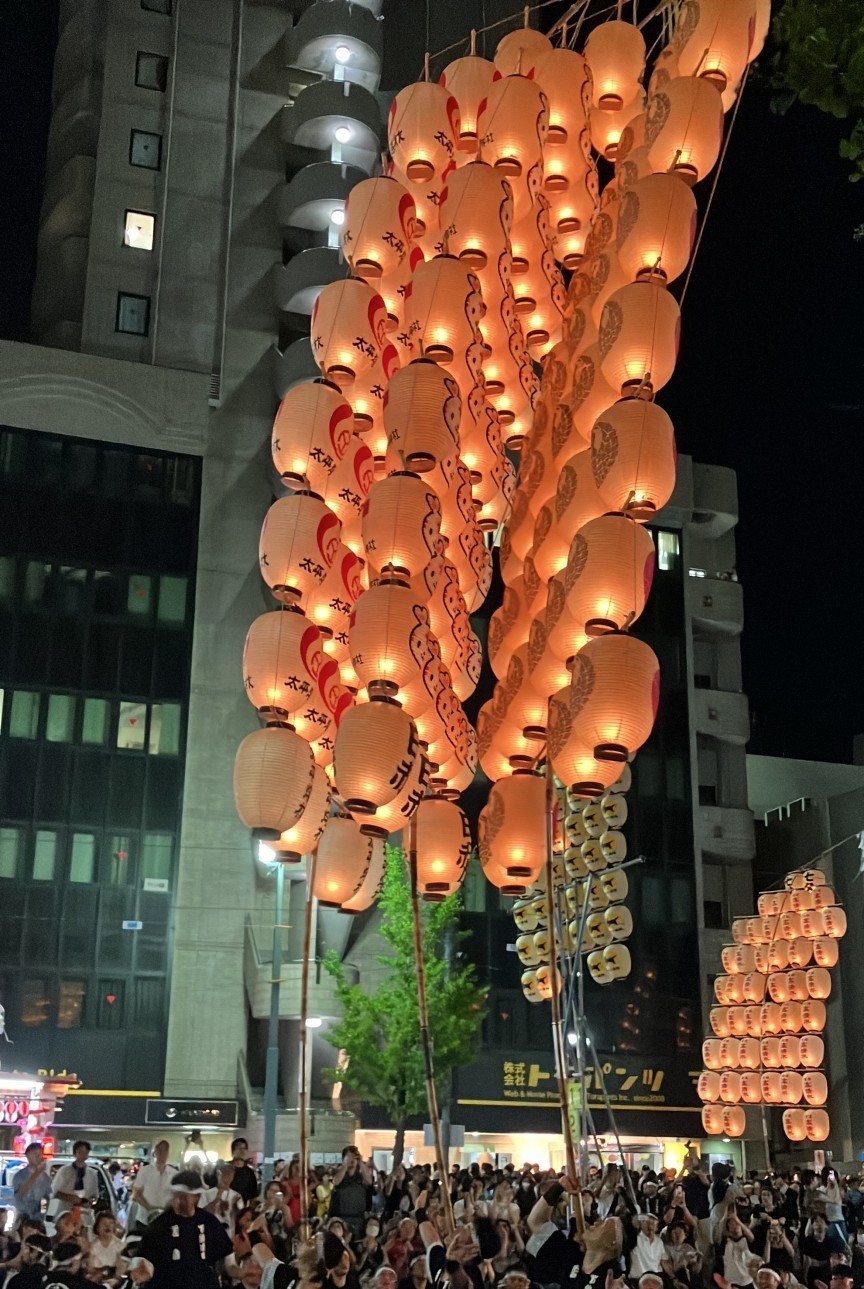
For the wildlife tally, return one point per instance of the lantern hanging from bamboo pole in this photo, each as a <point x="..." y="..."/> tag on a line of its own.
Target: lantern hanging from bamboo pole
<point x="401" y="524"/>
<point x="349" y="321"/>
<point x="376" y="747"/>
<point x="638" y="338"/>
<point x="299" y="542"/>
<point x="302" y="838"/>
<point x="615" y="685"/>
<point x="389" y="638"/>
<point x="282" y="657"/>
<point x="274" y="772"/>
<point x="469" y="80"/>
<point x="422" y="411"/>
<point x="684" y="128"/>
<point x="379" y="226"/>
<point x="656" y="228"/>
<point x="566" y="81"/>
<point x="514" y="121"/>
<point x="615" y="54"/>
<point x="572" y="760"/>
<point x="714" y="41"/>
<point x="443" y="847"/>
<point x="342" y="864"/>
<point x="311" y="434"/>
<point x="366" y="893"/>
<point x="523" y="52"/>
<point x="609" y="591"/>
<point x="634" y="458"/>
<point x="422" y="128"/>
<point x="444" y="308"/>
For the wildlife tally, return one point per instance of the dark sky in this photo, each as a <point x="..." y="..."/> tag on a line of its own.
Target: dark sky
<point x="770" y="379"/>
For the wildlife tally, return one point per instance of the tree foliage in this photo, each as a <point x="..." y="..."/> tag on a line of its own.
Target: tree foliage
<point x="819" y="60"/>
<point x="379" y="1031"/>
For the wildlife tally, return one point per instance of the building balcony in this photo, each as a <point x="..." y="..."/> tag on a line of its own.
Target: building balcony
<point x="297" y="284"/>
<point x="726" y="832"/>
<point x="257" y="975"/>
<point x="312" y="120"/>
<point x="715" y="501"/>
<point x="718" y="714"/>
<point x="291" y="366"/>
<point x="715" y="606"/>
<point x="337" y="34"/>
<point x="310" y="199"/>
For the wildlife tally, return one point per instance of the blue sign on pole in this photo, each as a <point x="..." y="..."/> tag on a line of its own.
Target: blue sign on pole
<point x="132" y="926"/>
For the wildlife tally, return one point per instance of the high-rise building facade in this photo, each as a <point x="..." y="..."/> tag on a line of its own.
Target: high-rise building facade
<point x="197" y="152"/>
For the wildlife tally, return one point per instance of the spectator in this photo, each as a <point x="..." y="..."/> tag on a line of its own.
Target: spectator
<point x="185" y="1243"/>
<point x="681" y="1262"/>
<point x="151" y="1190"/>
<point x="351" y="1184"/>
<point x="648" y="1251"/>
<point x="244" y="1180"/>
<point x="105" y="1251"/>
<point x="75" y="1185"/>
<point x="35" y="1256"/>
<point x="222" y="1200"/>
<point x="65" y="1266"/>
<point x="31" y="1184"/>
<point x="733" y="1251"/>
<point x="695" y="1184"/>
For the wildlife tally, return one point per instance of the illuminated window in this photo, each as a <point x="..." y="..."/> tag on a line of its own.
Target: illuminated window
<point x="138" y="596"/>
<point x="668" y="550"/>
<point x="119" y="866"/>
<point x="10" y="846"/>
<point x="61" y="718"/>
<point x="44" y="856"/>
<point x="165" y="729"/>
<point x="94" y="729"/>
<point x="131" y="727"/>
<point x="70" y="1004"/>
<point x="138" y="230"/>
<point x="156" y="852"/>
<point x="698" y="572"/>
<point x="82" y="861"/>
<point x="25" y="714"/>
<point x="35" y="1003"/>
<point x="172" y="599"/>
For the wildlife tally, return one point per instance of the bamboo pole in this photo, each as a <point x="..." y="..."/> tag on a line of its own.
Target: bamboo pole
<point x="304" y="1063"/>
<point x="555" y="981"/>
<point x="425" y="1044"/>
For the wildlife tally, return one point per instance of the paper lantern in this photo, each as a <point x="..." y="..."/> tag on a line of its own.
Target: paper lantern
<point x="376" y="747"/>
<point x="734" y="1121"/>
<point x="615" y="692"/>
<point x="609" y="587"/>
<point x="565" y="79"/>
<point x="791" y="1087"/>
<point x="274" y="773"/>
<point x="754" y="984"/>
<point x="815" y="1088"/>
<point x="633" y="458"/>
<point x="712" y="1120"/>
<point x="638" y="338"/>
<point x="364" y="896"/>
<point x="708" y="1086"/>
<point x="790" y="1051"/>
<point x="771" y="1088"/>
<point x="477" y="212"/>
<point x="342" y="863"/>
<point x="818" y="983"/>
<point x="348" y="329"/>
<point x="597" y="967"/>
<point x="619" y="920"/>
<point x="524" y="915"/>
<point x="823" y="897"/>
<point x="614" y="885"/>
<point x="730" y="1049"/>
<point x="716" y="40"/>
<point x="812" y="1051"/>
<point x="444" y="309"/>
<point x="347" y="488"/>
<point x="770" y="1053"/>
<point x="522" y="52"/>
<point x="592" y="818"/>
<point x="817" y="1125"/>
<point x="388" y="637"/>
<point x="469" y="80"/>
<point x="804" y="879"/>
<point x="740" y="930"/>
<point x="712" y="1053"/>
<point x="311" y="433"/>
<point x="530" y="987"/>
<point x="771" y="903"/>
<point x="730" y="1087"/>
<point x="791" y="1017"/>
<point x="794" y="1125"/>
<point x="800" y="952"/>
<point x="617" y="960"/>
<point x="606" y="127"/>
<point x="422" y="128"/>
<point x="513" y="124"/>
<point x="282" y="657"/>
<point x="302" y="838"/>
<point x="395" y="814"/>
<point x="401" y="524"/>
<point x="613" y="808"/>
<point x="379" y="225"/>
<point x="299" y="541"/>
<point x="656" y="227"/>
<point x="751" y="1088"/>
<point x="615" y="54"/>
<point x="778" y="987"/>
<point x="835" y="922"/>
<point x="514" y="837"/>
<point x="737" y="1023"/>
<point x="684" y="128"/>
<point x="754" y="1021"/>
<point x="771" y="1023"/>
<point x="614" y="847"/>
<point x="329" y="605"/>
<point x="825" y="952"/>
<point x="598" y="929"/>
<point x="422" y="410"/>
<point x="772" y="957"/>
<point x="526" y="951"/>
<point x="789" y="925"/>
<point x="719" y="1018"/>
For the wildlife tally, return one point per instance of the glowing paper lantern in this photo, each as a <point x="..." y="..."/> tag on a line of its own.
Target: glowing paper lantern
<point x="817" y="1125"/>
<point x="522" y="52"/>
<point x="835" y="922"/>
<point x="712" y="1120"/>
<point x="708" y="1086"/>
<point x="712" y="1053"/>
<point x="565" y="79"/>
<point x="388" y="637"/>
<point x="633" y="458"/>
<point x="573" y="762"/>
<point x="274" y="773"/>
<point x="348" y="328"/>
<point x="444" y="309"/>
<point x="684" y="128"/>
<point x="770" y="1053"/>
<point x="615" y="54"/>
<point x="422" y="128"/>
<point x="656" y="227"/>
<point x="609" y="589"/>
<point x="638" y="338"/>
<point x="515" y="835"/>
<point x="376" y="747"/>
<point x="771" y="1088"/>
<point x="734" y="1121"/>
<point x="794" y="1125"/>
<point x="514" y="121"/>
<point x="818" y="983"/>
<point x="379" y="225"/>
<point x="812" y="1051"/>
<point x="282" y="657"/>
<point x="751" y="1088"/>
<point x="791" y="1087"/>
<point x="395" y="814"/>
<point x="311" y="434"/>
<point x="825" y="952"/>
<point x="422" y="410"/>
<point x="790" y="1051"/>
<point x="299" y="542"/>
<point x="469" y="80"/>
<point x="615" y="683"/>
<point x="815" y="1088"/>
<point x="342" y="863"/>
<point x="716" y="45"/>
<point x="401" y="524"/>
<point x="369" y="887"/>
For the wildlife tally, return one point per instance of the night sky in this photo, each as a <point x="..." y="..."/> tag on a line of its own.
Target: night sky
<point x="769" y="380"/>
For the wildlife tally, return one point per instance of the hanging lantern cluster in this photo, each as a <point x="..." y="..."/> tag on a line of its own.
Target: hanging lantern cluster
<point x="766" y="1045"/>
<point x="451" y="347"/>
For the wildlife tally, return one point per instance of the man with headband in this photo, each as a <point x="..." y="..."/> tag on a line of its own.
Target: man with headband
<point x="185" y="1243"/>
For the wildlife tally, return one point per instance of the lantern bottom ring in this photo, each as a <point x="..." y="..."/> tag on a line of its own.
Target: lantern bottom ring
<point x="487" y="525"/>
<point x="610" y="102"/>
<point x="436" y="888"/>
<point x="556" y="183"/>
<point x="686" y="172"/>
<point x="357" y="806"/>
<point x="639" y="387"/>
<point x="341" y="374"/>
<point x="439" y="353"/>
<point x="535" y="732"/>
<point x="515" y="442"/>
<point x="387" y="689"/>
<point x="289" y="595"/>
<point x="600" y="626"/>
<point x="572" y="261"/>
<point x="610" y="752"/>
<point x="716" y="76"/>
<point x="525" y="304"/>
<point x="368" y="268"/>
<point x="371" y="830"/>
<point x="266" y="834"/>
<point x="587" y="788"/>
<point x="419" y="171"/>
<point x="538" y="336"/>
<point x="610" y="152"/>
<point x="641" y="511"/>
<point x="467" y="141"/>
<point x="652" y="273"/>
<point x="512" y="890"/>
<point x="422" y="462"/>
<point x="509" y="165"/>
<point x="495" y="387"/>
<point x="569" y="225"/>
<point x="474" y="257"/>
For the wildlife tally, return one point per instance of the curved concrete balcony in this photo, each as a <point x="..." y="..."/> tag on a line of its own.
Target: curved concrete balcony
<point x="67" y="204"/>
<point x="315" y="192"/>
<point x="58" y="292"/>
<point x="321" y="110"/>
<point x="80" y="52"/>
<point x="297" y="283"/>
<point x="725" y="832"/>
<point x="718" y="714"/>
<point x="257" y="975"/>
<point x="292" y="367"/>
<point x="74" y="129"/>
<point x="715" y="500"/>
<point x="337" y="34"/>
<point x="716" y="607"/>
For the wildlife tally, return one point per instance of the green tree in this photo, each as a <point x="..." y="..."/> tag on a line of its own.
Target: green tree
<point x="818" y="59"/>
<point x="379" y="1031"/>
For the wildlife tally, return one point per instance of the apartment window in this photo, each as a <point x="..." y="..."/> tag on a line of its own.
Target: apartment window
<point x="145" y="150"/>
<point x="61" y="718"/>
<point x="156" y="852"/>
<point x="82" y="862"/>
<point x="44" y="856"/>
<point x="94" y="729"/>
<point x="668" y="550"/>
<point x="165" y="729"/>
<point x="138" y="595"/>
<point x="24" y="718"/>
<point x="70" y="1004"/>
<point x="698" y="572"/>
<point x="151" y="71"/>
<point x="707" y="794"/>
<point x="10" y="846"/>
<point x="131" y="726"/>
<point x="35" y="1003"/>
<point x="172" y="599"/>
<point x="157" y="6"/>
<point x="133" y="314"/>
<point x="138" y="230"/>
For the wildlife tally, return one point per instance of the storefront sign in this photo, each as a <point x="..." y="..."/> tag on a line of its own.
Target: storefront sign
<point x="189" y="1113"/>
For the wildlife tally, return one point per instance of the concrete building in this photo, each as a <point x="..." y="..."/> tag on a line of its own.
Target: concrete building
<point x="193" y="169"/>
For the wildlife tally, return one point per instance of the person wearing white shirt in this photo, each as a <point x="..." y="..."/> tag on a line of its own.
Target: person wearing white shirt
<point x="75" y="1185"/>
<point x="151" y="1190"/>
<point x="222" y="1201"/>
<point x="648" y="1251"/>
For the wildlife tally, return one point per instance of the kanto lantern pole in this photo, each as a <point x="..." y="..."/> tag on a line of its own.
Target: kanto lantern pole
<point x="423" y="1009"/>
<point x="555" y="981"/>
<point x="271" y="1075"/>
<point x="303" y="1099"/>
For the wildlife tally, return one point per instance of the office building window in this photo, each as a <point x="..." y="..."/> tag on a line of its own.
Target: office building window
<point x="157" y="6"/>
<point x="133" y="314"/>
<point x="172" y="599"/>
<point x="138" y="596"/>
<point x="61" y="718"/>
<point x="44" y="856"/>
<point x="156" y="851"/>
<point x="668" y="550"/>
<point x="165" y="729"/>
<point x="145" y="150"/>
<point x="35" y="1003"/>
<point x="138" y="230"/>
<point x="117" y="870"/>
<point x="131" y="726"/>
<point x="35" y="576"/>
<point x="94" y="729"/>
<point x="10" y="846"/>
<point x="7" y="578"/>
<point x="24" y="717"/>
<point x="151" y="71"/>
<point x="70" y="1004"/>
<point x="82" y="861"/>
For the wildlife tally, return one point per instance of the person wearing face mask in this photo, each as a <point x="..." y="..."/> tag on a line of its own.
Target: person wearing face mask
<point x="525" y="1195"/>
<point x="368" y="1251"/>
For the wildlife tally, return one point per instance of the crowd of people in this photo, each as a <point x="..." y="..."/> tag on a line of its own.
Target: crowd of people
<point x="206" y="1226"/>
